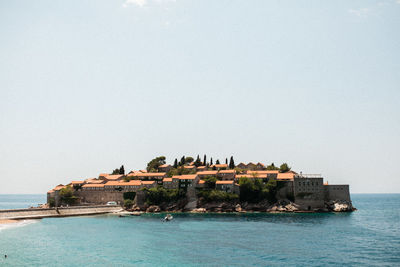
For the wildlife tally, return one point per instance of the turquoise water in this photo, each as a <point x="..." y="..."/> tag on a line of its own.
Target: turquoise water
<point x="369" y="236"/>
<point x="21" y="201"/>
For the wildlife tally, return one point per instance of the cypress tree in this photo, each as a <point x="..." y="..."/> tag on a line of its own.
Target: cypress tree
<point x="211" y="161"/>
<point x="231" y="163"/>
<point x="205" y="160"/>
<point x="217" y="162"/>
<point x="176" y="163"/>
<point x="182" y="161"/>
<point x="122" y="170"/>
<point x="226" y="161"/>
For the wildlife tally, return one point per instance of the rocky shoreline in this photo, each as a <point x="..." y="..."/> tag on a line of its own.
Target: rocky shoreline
<point x="282" y="206"/>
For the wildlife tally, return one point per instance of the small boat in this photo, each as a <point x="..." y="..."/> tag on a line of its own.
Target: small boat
<point x="168" y="218"/>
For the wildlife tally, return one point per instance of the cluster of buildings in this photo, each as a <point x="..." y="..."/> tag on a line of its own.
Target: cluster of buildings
<point x="309" y="191"/>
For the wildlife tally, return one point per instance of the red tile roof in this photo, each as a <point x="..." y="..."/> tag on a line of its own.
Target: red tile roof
<point x="92" y="185"/>
<point x="207" y="173"/>
<point x="185" y="176"/>
<point x="224" y="182"/>
<point x="227" y="171"/>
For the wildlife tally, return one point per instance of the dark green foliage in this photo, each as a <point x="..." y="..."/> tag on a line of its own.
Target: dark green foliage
<point x="210" y="181"/>
<point x="52" y="202"/>
<point x="205" y="160"/>
<point x="216" y="195"/>
<point x="217" y="162"/>
<point x="179" y="171"/>
<point x="182" y="162"/>
<point x="189" y="159"/>
<point x="67" y="196"/>
<point x="231" y="163"/>
<point x="214" y="168"/>
<point x="128" y="203"/>
<point x="176" y="163"/>
<point x="211" y="161"/>
<point x="272" y="167"/>
<point x="129" y="195"/>
<point x="122" y="170"/>
<point x="254" y="190"/>
<point x="116" y="171"/>
<point x="284" y="167"/>
<point x="153" y="165"/>
<point x="158" y="195"/>
<point x="197" y="163"/>
<point x="226" y="161"/>
<point x="127" y="178"/>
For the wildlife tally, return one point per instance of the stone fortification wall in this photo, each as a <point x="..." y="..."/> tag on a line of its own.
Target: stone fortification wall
<point x="53" y="212"/>
<point x="309" y="193"/>
<point x="337" y="192"/>
<point x="100" y="197"/>
<point x="286" y="191"/>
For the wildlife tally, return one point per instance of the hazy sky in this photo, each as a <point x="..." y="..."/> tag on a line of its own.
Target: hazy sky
<point x="86" y="86"/>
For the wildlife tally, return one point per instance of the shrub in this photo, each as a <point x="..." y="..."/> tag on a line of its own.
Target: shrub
<point x="128" y="203"/>
<point x="158" y="195"/>
<point x="67" y="196"/>
<point x="216" y="195"/>
<point x="129" y="195"/>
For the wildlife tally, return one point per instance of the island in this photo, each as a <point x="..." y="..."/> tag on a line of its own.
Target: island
<point x="190" y="185"/>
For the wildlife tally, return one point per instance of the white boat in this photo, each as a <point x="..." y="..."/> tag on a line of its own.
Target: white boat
<point x="168" y="218"/>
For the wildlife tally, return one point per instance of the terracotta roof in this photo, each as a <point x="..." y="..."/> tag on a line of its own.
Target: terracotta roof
<point x="51" y="191"/>
<point x="167" y="180"/>
<point x="164" y="166"/>
<point x="94" y="181"/>
<point x="202" y="182"/>
<point x="207" y="173"/>
<point x="123" y="183"/>
<point x="150" y="174"/>
<point x="227" y="171"/>
<point x="224" y="182"/>
<point x="261" y="164"/>
<point x="59" y="187"/>
<point x="201" y="167"/>
<point x="92" y="185"/>
<point x="148" y="182"/>
<point x="114" y="177"/>
<point x="77" y="182"/>
<point x="285" y="175"/>
<point x="103" y="174"/>
<point x="185" y="176"/>
<point x="264" y="172"/>
<point x="143" y="171"/>
<point x="189" y="167"/>
<point x="220" y="165"/>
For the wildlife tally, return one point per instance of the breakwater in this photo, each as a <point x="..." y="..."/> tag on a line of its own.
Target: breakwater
<point x="38" y="213"/>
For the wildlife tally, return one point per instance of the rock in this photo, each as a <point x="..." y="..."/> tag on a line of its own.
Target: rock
<point x="238" y="208"/>
<point x="153" y="208"/>
<point x="199" y="210"/>
<point x="339" y="206"/>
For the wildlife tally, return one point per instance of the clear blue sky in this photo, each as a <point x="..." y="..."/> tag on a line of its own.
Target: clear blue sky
<point x="86" y="86"/>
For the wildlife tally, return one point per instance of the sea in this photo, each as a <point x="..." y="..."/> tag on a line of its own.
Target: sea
<point x="369" y="236"/>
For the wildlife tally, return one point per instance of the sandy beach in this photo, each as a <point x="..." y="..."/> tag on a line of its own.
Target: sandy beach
<point x="8" y="221"/>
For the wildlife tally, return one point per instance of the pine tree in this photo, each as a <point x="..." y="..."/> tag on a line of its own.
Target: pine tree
<point x="205" y="160"/>
<point x="122" y="170"/>
<point x="231" y="163"/>
<point x="176" y="163"/>
<point x="182" y="161"/>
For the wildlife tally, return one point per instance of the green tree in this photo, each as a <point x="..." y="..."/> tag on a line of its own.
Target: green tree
<point x="272" y="167"/>
<point x="176" y="163"/>
<point x="226" y="161"/>
<point x="284" y="167"/>
<point x="182" y="162"/>
<point x="197" y="163"/>
<point x="210" y="181"/>
<point x="211" y="161"/>
<point x="188" y="159"/>
<point x="122" y="170"/>
<point x="153" y="165"/>
<point x="67" y="195"/>
<point x="128" y="203"/>
<point x="231" y="163"/>
<point x="114" y="172"/>
<point x="217" y="162"/>
<point x="204" y="160"/>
